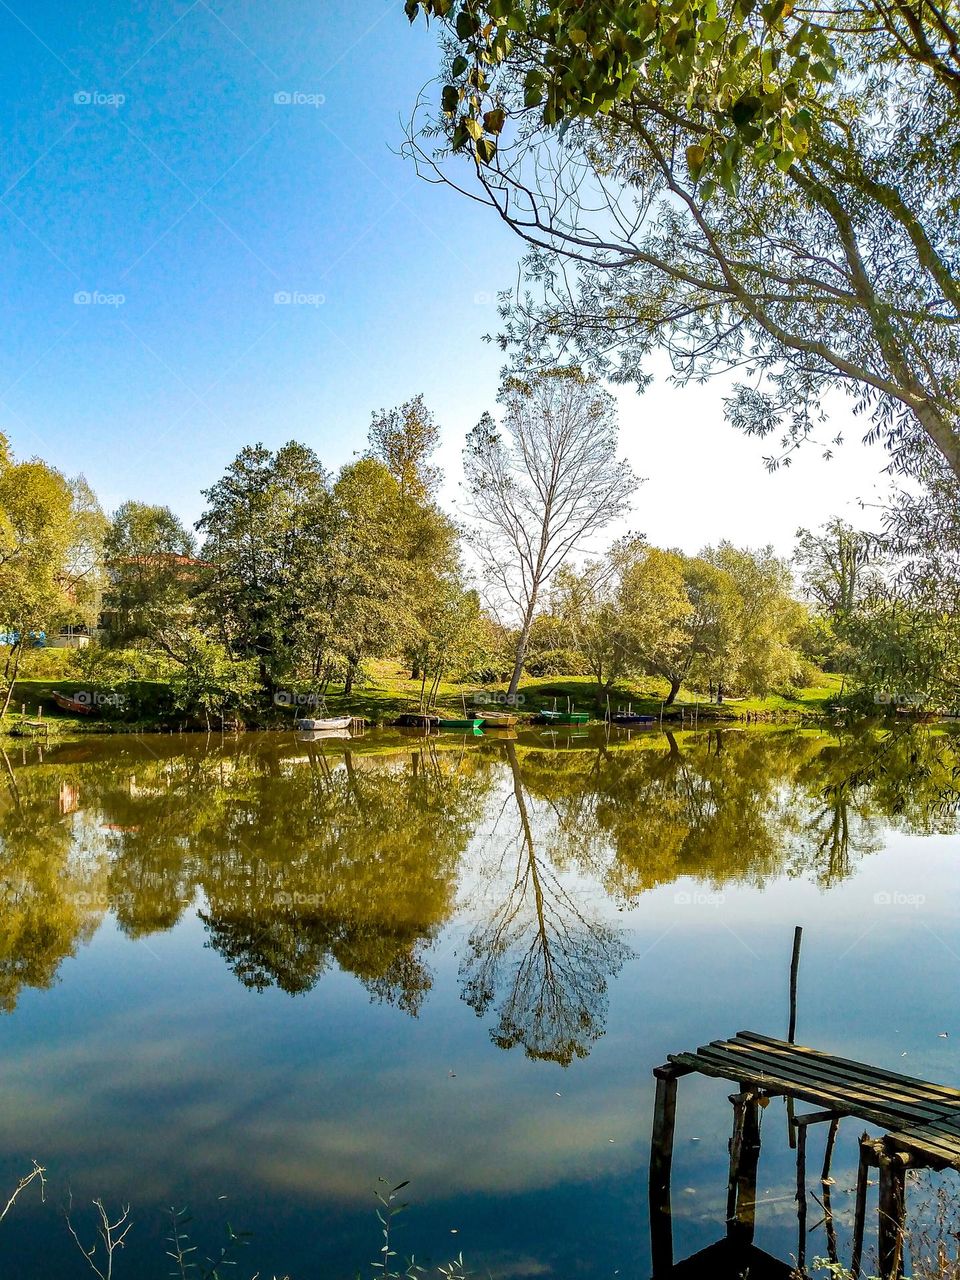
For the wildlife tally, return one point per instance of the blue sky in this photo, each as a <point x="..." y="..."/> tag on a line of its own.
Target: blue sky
<point x="145" y="157"/>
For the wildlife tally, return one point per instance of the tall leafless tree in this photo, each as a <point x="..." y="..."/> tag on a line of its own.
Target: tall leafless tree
<point x="542" y="484"/>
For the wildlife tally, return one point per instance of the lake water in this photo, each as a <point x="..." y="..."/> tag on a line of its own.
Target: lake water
<point x="254" y="976"/>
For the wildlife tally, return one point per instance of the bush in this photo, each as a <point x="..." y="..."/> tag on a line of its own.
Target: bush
<point x="555" y="662"/>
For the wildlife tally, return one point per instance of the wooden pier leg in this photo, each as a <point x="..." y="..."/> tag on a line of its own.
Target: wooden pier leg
<point x="892" y="1218"/>
<point x="736" y="1143"/>
<point x="801" y="1197"/>
<point x="661" y="1162"/>
<point x="829" y="1224"/>
<point x="867" y="1159"/>
<point x="742" y="1225"/>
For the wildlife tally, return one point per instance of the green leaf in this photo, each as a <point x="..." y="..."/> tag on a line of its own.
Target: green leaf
<point x="450" y="99"/>
<point x="460" y="64"/>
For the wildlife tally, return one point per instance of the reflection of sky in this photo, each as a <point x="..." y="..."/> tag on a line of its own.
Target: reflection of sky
<point x="148" y="1073"/>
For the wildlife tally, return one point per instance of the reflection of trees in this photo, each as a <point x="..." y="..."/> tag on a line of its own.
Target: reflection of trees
<point x="303" y="862"/>
<point x="340" y="861"/>
<point x="309" y="856"/>
<point x="49" y="893"/>
<point x="538" y="955"/>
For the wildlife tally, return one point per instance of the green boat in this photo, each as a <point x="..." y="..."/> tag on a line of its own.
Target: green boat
<point x="565" y="717"/>
<point x="473" y="723"/>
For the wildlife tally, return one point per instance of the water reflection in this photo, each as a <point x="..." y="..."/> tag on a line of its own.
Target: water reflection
<point x="537" y="957"/>
<point x="304" y="857"/>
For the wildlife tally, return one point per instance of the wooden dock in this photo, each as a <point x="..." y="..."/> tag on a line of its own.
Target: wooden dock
<point x="920" y="1123"/>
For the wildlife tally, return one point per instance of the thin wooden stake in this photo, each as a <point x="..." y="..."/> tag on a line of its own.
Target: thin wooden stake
<point x="794" y="974"/>
<point x="801" y="1197"/>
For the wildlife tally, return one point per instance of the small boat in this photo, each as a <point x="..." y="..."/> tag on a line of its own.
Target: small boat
<point x="565" y="717"/>
<point x="499" y="720"/>
<point x="473" y="723"/>
<point x="324" y="725"/>
<point x="632" y="718"/>
<point x="81" y="706"/>
<point x="319" y="735"/>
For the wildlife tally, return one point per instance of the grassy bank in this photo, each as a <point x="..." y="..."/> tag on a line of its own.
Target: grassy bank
<point x="389" y="691"/>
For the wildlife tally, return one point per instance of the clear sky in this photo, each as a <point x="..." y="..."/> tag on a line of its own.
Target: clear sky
<point x="146" y="156"/>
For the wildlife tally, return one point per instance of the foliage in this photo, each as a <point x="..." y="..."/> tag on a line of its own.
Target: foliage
<point x="208" y="681"/>
<point x="759" y="188"/>
<point x="268" y="528"/>
<point x="151" y="573"/>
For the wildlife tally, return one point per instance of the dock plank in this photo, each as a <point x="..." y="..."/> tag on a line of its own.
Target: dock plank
<point x="919" y="1116"/>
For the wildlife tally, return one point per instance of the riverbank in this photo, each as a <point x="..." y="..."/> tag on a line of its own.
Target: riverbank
<point x="143" y="705"/>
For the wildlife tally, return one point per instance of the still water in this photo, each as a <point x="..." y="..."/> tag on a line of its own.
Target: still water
<point x="254" y="976"/>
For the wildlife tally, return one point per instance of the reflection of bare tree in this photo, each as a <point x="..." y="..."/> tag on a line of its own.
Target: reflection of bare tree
<point x="546" y="964"/>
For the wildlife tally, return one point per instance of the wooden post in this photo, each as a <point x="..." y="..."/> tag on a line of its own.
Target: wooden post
<point x="893" y="1211"/>
<point x="830" y="1225"/>
<point x="661" y="1162"/>
<point x="868" y="1158"/>
<point x="801" y="1197"/>
<point x="744" y="1158"/>
<point x="734" y="1147"/>
<point x="792" y="1028"/>
<point x="794" y="974"/>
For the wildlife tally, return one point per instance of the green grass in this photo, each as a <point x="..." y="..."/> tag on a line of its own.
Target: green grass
<point x="389" y="691"/>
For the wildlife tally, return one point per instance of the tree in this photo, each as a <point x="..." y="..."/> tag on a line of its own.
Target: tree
<point x="83" y="570"/>
<point x="208" y="681"/>
<point x="837" y="567"/>
<point x="151" y="572"/>
<point x="403" y="439"/>
<point x="584" y="603"/>
<point x="269" y="527"/>
<point x="758" y="629"/>
<point x="371" y="573"/>
<point x="542" y="484"/>
<point x="767" y="189"/>
<point x="37" y="533"/>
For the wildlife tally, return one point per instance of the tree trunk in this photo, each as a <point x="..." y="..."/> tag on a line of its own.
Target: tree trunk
<point x="674" y="690"/>
<point x="16" y="669"/>
<point x="348" y="681"/>
<point x="522" y="642"/>
<point x="720" y="692"/>
<point x="414" y="670"/>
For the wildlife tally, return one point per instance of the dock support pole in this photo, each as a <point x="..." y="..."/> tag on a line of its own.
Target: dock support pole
<point x="868" y="1159"/>
<point x="744" y="1158"/>
<point x="893" y="1210"/>
<point x="661" y="1162"/>
<point x="801" y="1198"/>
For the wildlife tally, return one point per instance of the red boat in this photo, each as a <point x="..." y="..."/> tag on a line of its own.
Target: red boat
<point x="79" y="706"/>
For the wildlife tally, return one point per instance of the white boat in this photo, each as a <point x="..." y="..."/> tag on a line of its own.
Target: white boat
<point x="324" y="725"/>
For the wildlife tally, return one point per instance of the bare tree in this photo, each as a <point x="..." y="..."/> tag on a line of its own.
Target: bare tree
<point x="542" y="484"/>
